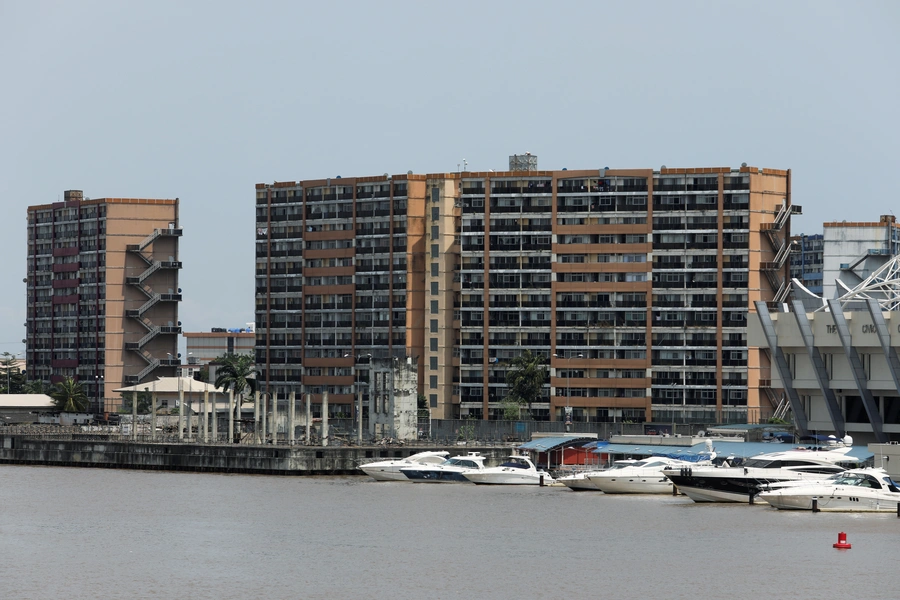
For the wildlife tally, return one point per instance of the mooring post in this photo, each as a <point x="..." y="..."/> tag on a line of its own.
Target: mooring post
<point x="815" y="504"/>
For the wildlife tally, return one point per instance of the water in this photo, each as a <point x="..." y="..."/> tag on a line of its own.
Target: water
<point x="82" y="533"/>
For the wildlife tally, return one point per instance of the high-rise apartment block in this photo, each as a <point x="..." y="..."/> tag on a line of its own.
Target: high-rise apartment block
<point x="102" y="292"/>
<point x="634" y="285"/>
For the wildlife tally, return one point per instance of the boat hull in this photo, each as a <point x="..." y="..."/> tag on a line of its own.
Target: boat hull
<point x="578" y="483"/>
<point x="434" y="476"/>
<point x="656" y="484"/>
<point x="839" y="501"/>
<point x="507" y="479"/>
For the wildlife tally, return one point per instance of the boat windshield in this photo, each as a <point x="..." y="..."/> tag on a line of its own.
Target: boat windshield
<point x="858" y="480"/>
<point x="461" y="462"/>
<point x="517" y="463"/>
<point x="630" y="463"/>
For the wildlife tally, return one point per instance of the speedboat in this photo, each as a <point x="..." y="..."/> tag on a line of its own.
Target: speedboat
<point x="516" y="470"/>
<point x="451" y="470"/>
<point x="582" y="481"/>
<point x="637" y="476"/>
<point x="855" y="490"/>
<point x="389" y="470"/>
<point x="742" y="483"/>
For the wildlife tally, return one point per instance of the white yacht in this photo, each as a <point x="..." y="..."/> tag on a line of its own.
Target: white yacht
<point x="516" y="470"/>
<point x="856" y="490"/>
<point x="637" y="476"/>
<point x="389" y="470"/>
<point x="451" y="470"/>
<point x="741" y="483"/>
<point x="582" y="481"/>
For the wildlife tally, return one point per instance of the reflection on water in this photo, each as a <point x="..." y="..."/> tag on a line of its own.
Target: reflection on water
<point x="81" y="533"/>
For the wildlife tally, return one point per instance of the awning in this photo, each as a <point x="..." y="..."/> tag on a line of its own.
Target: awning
<point x="552" y="443"/>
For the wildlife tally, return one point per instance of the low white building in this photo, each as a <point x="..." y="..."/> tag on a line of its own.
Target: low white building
<point x="24" y="408"/>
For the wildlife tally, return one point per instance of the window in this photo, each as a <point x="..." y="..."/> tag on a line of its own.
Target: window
<point x="434" y="269"/>
<point x="434" y="307"/>
<point x="434" y="288"/>
<point x="432" y="363"/>
<point x="433" y="343"/>
<point x="435" y="232"/>
<point x="432" y="400"/>
<point x="434" y="326"/>
<point x="432" y="382"/>
<point x="435" y="251"/>
<point x="435" y="213"/>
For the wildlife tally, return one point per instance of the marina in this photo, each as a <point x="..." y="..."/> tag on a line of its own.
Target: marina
<point x="144" y="534"/>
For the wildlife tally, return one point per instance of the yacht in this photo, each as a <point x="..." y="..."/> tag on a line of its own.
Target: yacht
<point x="637" y="476"/>
<point x="389" y="470"/>
<point x="517" y="470"/>
<point x="742" y="483"/>
<point x="582" y="482"/>
<point x="855" y="490"/>
<point x="451" y="470"/>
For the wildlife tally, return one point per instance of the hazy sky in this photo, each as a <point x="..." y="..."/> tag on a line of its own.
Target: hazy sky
<point x="202" y="100"/>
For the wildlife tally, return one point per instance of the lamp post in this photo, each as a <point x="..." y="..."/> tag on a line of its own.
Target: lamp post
<point x="98" y="380"/>
<point x="359" y="405"/>
<point x="568" y="389"/>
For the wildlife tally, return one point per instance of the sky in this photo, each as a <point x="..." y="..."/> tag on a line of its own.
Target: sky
<point x="202" y="100"/>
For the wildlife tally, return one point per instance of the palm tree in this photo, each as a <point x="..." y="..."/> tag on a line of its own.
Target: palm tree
<point x="68" y="396"/>
<point x="35" y="386"/>
<point x="235" y="372"/>
<point x="525" y="379"/>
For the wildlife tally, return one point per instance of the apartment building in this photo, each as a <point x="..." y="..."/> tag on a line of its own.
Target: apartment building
<point x="807" y="261"/>
<point x="102" y="292"/>
<point x="633" y="284"/>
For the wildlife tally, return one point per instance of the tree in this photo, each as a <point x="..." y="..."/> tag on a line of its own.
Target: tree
<point x="235" y="372"/>
<point x="13" y="380"/>
<point x="35" y="386"/>
<point x="144" y="402"/>
<point x="68" y="396"/>
<point x="525" y="378"/>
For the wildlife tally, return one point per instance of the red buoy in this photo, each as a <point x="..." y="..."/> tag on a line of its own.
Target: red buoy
<point x="842" y="543"/>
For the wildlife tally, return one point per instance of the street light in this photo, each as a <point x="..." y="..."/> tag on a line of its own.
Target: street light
<point x="358" y="393"/>
<point x="98" y="380"/>
<point x="568" y="389"/>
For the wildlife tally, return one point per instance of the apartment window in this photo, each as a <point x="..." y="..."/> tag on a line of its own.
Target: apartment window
<point x="435" y="194"/>
<point x="434" y="326"/>
<point x="432" y="363"/>
<point x="432" y="344"/>
<point x="432" y="382"/>
<point x="435" y="232"/>
<point x="432" y="400"/>
<point x="434" y="288"/>
<point x="434" y="307"/>
<point x="434" y="269"/>
<point x="435" y="213"/>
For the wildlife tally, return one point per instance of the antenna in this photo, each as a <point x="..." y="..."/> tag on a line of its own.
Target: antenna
<point x="465" y="165"/>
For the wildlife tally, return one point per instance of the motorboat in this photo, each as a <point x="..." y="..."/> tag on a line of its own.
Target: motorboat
<point x="582" y="481"/>
<point x="727" y="483"/>
<point x="637" y="476"/>
<point x="451" y="470"/>
<point x="855" y="490"/>
<point x="516" y="470"/>
<point x="389" y="470"/>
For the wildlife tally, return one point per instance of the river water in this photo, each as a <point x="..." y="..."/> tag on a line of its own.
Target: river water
<point x="84" y="533"/>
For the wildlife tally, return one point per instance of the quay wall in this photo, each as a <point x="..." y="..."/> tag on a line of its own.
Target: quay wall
<point x="210" y="458"/>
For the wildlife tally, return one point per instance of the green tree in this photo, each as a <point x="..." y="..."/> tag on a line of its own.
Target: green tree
<point x="235" y="372"/>
<point x="12" y="378"/>
<point x="68" y="396"/>
<point x="35" y="386"/>
<point x="525" y="378"/>
<point x="144" y="402"/>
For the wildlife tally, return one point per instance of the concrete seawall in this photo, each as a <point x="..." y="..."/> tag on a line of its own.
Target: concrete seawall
<point x="260" y="460"/>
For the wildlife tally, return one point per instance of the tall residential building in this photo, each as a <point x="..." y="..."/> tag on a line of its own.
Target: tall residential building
<point x="807" y="261"/>
<point x="102" y="292"/>
<point x="634" y="285"/>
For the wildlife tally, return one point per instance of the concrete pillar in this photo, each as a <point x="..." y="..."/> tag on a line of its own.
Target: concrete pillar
<point x="292" y="405"/>
<point x="230" y="433"/>
<point x="205" y="415"/>
<point x="181" y="410"/>
<point x="359" y="414"/>
<point x="256" y="436"/>
<point x="263" y="410"/>
<point x="153" y="416"/>
<point x="308" y="418"/>
<point x="274" y="425"/>
<point x="134" y="403"/>
<point x="325" y="418"/>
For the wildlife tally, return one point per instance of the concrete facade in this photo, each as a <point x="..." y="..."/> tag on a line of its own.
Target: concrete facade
<point x="102" y="292"/>
<point x="633" y="284"/>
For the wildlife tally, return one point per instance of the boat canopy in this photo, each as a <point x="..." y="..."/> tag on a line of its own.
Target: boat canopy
<point x="546" y="444"/>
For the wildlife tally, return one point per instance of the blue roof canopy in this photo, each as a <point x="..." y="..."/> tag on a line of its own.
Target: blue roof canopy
<point x="551" y="443"/>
